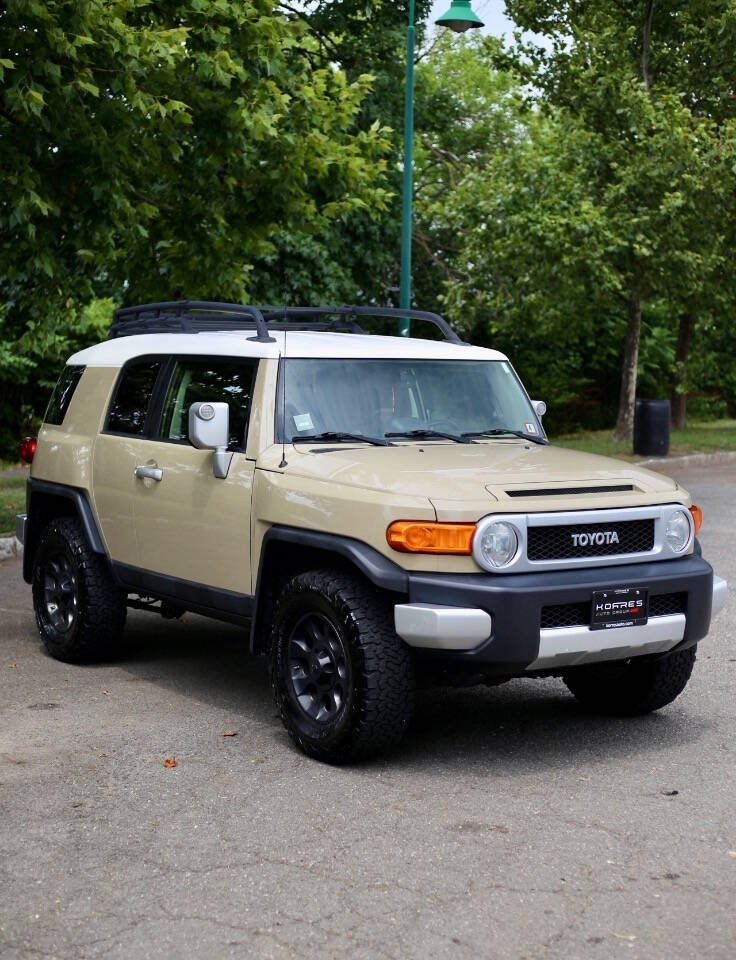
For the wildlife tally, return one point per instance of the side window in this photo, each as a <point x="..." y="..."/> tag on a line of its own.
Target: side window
<point x="215" y="380"/>
<point x="129" y="407"/>
<point x="62" y="395"/>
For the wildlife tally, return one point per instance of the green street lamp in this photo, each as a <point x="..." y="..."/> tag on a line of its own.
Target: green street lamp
<point x="459" y="18"/>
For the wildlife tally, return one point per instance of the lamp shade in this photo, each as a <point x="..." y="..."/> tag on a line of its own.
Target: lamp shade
<point x="459" y="17"/>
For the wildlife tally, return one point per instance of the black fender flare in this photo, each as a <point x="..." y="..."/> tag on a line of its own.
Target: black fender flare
<point x="36" y="492"/>
<point x="382" y="572"/>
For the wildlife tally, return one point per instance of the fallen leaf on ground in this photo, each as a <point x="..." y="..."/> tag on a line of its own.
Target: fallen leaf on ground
<point x="169" y="762"/>
<point x="229" y="733"/>
<point x="670" y="793"/>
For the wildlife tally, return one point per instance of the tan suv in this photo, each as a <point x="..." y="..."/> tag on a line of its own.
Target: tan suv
<point x="373" y="508"/>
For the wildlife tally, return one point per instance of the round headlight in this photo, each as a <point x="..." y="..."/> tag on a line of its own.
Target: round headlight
<point x="677" y="531"/>
<point x="498" y="544"/>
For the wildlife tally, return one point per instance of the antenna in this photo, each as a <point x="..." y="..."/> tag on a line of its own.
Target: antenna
<point x="283" y="407"/>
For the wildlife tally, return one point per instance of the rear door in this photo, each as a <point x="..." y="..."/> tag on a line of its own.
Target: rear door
<point x="191" y="527"/>
<point x="121" y="446"/>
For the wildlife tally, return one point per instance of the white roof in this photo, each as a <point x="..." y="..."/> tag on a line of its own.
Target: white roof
<point x="299" y="343"/>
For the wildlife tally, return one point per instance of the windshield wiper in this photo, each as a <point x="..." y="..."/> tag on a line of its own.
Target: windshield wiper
<point x="428" y="434"/>
<point x="502" y="432"/>
<point x="339" y="435"/>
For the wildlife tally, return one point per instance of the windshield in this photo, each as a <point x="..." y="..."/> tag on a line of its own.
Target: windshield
<point x="379" y="397"/>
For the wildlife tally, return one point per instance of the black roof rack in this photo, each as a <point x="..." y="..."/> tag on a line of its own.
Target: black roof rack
<point x="186" y="316"/>
<point x="196" y="316"/>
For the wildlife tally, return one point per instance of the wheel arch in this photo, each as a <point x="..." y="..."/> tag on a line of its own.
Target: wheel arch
<point x="45" y="501"/>
<point x="288" y="551"/>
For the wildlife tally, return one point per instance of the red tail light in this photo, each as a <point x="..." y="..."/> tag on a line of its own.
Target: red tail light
<point x="26" y="449"/>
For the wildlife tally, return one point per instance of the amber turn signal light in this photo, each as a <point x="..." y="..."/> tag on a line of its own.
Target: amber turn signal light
<point x="697" y="515"/>
<point x="416" y="536"/>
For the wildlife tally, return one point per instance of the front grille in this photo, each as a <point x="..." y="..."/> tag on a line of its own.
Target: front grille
<point x="666" y="604"/>
<point x="557" y="543"/>
<point x="578" y="614"/>
<point x="566" y="615"/>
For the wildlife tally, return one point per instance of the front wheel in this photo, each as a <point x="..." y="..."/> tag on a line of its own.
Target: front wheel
<point x="80" y="610"/>
<point x="342" y="679"/>
<point x="633" y="686"/>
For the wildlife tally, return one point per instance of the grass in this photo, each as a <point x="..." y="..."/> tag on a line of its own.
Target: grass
<point x="711" y="436"/>
<point x="12" y="501"/>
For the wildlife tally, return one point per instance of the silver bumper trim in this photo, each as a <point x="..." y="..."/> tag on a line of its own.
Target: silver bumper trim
<point x="442" y="628"/>
<point x="461" y="628"/>
<point x="571" y="646"/>
<point x="21" y="519"/>
<point x="720" y="595"/>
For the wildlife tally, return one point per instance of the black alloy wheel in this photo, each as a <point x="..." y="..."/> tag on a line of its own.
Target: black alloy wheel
<point x="317" y="668"/>
<point x="342" y="679"/>
<point x="60" y="592"/>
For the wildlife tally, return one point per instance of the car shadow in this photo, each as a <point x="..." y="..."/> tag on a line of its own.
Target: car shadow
<point x="527" y="725"/>
<point x="516" y="728"/>
<point x="202" y="659"/>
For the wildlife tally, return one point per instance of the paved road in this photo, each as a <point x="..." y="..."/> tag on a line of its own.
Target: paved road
<point x="510" y="825"/>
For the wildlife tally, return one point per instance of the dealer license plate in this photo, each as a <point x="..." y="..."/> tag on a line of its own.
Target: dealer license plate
<point x="610" y="609"/>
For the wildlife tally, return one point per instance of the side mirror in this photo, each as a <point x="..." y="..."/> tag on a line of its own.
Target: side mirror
<point x="540" y="408"/>
<point x="209" y="429"/>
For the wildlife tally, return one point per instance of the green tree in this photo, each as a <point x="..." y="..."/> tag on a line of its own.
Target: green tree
<point x="652" y="83"/>
<point x="151" y="150"/>
<point x="548" y="234"/>
<point x="357" y="259"/>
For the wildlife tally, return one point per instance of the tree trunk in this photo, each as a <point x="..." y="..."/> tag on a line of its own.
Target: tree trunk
<point x="678" y="399"/>
<point x="625" y="422"/>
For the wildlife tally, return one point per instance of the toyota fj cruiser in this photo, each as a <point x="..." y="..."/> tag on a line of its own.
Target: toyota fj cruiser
<point x="372" y="507"/>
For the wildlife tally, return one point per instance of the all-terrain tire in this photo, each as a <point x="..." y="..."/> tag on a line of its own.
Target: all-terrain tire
<point x="635" y="687"/>
<point x="69" y="576"/>
<point x="376" y="686"/>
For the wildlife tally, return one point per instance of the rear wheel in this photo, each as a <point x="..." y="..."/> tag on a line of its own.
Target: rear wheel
<point x="633" y="686"/>
<point x="80" y="610"/>
<point x="342" y="679"/>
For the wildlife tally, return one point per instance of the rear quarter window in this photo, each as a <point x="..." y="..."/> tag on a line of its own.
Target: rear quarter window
<point x="129" y="408"/>
<point x="62" y="395"/>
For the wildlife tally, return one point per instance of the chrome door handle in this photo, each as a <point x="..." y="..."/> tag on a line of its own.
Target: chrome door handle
<point x="143" y="472"/>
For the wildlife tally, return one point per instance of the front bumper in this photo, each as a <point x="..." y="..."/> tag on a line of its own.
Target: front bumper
<point x="442" y="606"/>
<point x="21" y="521"/>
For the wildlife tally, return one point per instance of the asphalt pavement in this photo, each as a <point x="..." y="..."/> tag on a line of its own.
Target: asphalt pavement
<point x="511" y="824"/>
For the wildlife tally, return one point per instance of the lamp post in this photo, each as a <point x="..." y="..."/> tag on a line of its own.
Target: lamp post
<point x="459" y="18"/>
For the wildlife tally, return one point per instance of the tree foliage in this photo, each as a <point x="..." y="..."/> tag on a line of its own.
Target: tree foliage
<point x="152" y="150"/>
<point x="652" y="85"/>
<point x="555" y="222"/>
<point x="575" y="202"/>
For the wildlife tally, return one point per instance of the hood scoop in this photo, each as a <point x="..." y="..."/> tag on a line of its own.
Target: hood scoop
<point x="571" y="491"/>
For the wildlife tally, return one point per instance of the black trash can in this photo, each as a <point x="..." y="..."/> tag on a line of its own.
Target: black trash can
<point x="652" y="428"/>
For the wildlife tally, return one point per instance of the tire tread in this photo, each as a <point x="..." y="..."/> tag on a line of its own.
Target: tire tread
<point x="648" y="686"/>
<point x="385" y="667"/>
<point x="102" y="606"/>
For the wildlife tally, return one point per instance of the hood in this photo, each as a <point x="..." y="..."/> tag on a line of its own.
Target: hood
<point x="506" y="475"/>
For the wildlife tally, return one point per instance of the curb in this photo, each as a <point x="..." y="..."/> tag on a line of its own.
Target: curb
<point x="10" y="548"/>
<point x="690" y="460"/>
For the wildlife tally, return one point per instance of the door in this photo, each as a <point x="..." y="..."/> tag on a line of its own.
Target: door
<point x="190" y="525"/>
<point x="121" y="446"/>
